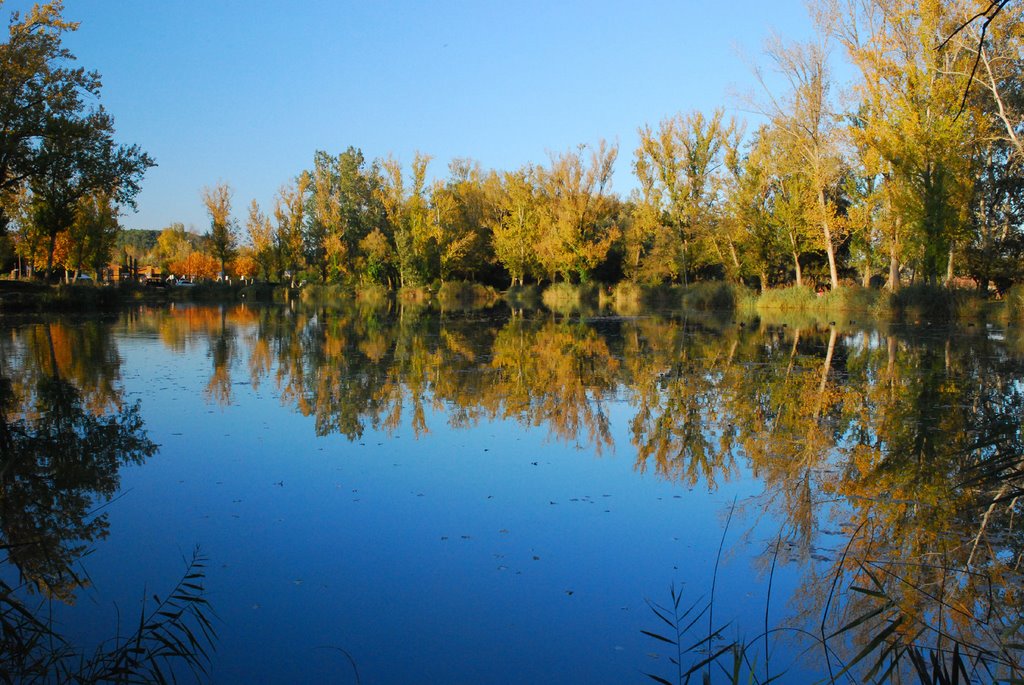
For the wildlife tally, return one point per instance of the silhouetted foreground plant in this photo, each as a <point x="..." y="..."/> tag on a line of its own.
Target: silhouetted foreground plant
<point x="171" y="634"/>
<point x="985" y="648"/>
<point x="891" y="644"/>
<point x="702" y="651"/>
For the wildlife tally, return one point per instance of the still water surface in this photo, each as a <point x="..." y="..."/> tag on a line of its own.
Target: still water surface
<point x="494" y="498"/>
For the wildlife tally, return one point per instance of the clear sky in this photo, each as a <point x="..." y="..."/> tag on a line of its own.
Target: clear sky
<point x="244" y="91"/>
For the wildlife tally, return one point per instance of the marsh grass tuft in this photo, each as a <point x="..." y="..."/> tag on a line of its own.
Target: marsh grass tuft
<point x="176" y="631"/>
<point x="523" y="297"/>
<point x="887" y="643"/>
<point x="920" y="302"/>
<point x="711" y="295"/>
<point x="465" y="295"/>
<point x="566" y="298"/>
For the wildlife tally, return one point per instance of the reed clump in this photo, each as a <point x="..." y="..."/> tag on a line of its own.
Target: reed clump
<point x="566" y="298"/>
<point x="462" y="295"/>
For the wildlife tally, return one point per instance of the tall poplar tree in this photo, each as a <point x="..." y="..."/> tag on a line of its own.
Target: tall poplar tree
<point x="223" y="230"/>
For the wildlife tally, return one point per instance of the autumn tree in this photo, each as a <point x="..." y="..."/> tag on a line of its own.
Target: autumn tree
<point x="407" y="214"/>
<point x="515" y="228"/>
<point x="681" y="164"/>
<point x="807" y="124"/>
<point x="460" y="211"/>
<point x="223" y="229"/>
<point x="995" y="64"/>
<point x="391" y="194"/>
<point x="910" y="94"/>
<point x="245" y="265"/>
<point x="289" y="213"/>
<point x="174" y="244"/>
<point x="261" y="238"/>
<point x="342" y="208"/>
<point x="323" y="213"/>
<point x="754" y="209"/>
<point x="378" y="256"/>
<point x="577" y="224"/>
<point x="995" y="52"/>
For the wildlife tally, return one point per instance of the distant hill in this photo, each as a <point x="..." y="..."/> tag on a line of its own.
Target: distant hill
<point x="143" y="240"/>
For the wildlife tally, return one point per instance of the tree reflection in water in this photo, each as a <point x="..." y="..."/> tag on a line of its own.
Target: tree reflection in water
<point x="890" y="461"/>
<point x="913" y="442"/>
<point x="65" y="433"/>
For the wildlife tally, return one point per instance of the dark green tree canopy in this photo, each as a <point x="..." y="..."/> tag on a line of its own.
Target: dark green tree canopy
<point x="53" y="141"/>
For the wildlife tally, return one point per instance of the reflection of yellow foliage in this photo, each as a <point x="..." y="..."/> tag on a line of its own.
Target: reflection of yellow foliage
<point x="556" y="375"/>
<point x="374" y="346"/>
<point x="82" y="354"/>
<point x="838" y="429"/>
<point x="242" y="315"/>
<point x="905" y="436"/>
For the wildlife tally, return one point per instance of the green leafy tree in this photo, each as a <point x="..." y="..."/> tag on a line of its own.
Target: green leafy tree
<point x="77" y="158"/>
<point x="37" y="88"/>
<point x="94" y="233"/>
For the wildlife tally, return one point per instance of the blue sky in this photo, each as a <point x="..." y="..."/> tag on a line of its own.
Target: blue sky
<point x="245" y="91"/>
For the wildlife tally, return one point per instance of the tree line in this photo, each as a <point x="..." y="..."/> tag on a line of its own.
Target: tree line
<point x="916" y="178"/>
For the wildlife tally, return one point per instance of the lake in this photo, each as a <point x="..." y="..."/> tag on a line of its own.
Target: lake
<point x="404" y="495"/>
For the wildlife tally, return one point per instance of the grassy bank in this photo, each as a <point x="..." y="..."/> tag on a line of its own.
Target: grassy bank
<point x="29" y="296"/>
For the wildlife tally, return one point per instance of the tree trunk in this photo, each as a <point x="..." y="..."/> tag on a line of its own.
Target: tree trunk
<point x="735" y="262"/>
<point x="799" y="273"/>
<point x="894" y="271"/>
<point x="49" y="255"/>
<point x="866" y="280"/>
<point x="830" y="249"/>
<point x="949" y="268"/>
<point x="1011" y="130"/>
<point x="683" y="258"/>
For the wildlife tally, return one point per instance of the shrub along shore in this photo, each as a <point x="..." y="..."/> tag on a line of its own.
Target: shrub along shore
<point x="911" y="304"/>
